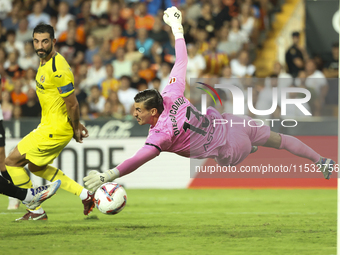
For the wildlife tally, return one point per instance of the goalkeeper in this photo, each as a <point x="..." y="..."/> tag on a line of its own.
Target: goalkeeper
<point x="177" y="126"/>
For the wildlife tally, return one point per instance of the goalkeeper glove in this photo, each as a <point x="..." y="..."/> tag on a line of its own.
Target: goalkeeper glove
<point x="173" y="17"/>
<point x="95" y="179"/>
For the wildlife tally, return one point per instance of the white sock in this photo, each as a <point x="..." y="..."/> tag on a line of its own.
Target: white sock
<point x="29" y="196"/>
<point x="83" y="194"/>
<point x="39" y="211"/>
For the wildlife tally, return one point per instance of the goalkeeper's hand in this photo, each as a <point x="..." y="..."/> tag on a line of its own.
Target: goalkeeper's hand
<point x="95" y="179"/>
<point x="173" y="17"/>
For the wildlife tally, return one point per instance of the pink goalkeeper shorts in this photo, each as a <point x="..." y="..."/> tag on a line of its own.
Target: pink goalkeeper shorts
<point x="241" y="138"/>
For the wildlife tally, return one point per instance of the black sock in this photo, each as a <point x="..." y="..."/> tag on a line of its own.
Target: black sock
<point x="7" y="176"/>
<point x="8" y="189"/>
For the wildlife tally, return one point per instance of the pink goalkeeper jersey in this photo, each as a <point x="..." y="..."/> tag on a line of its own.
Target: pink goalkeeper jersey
<point x="181" y="128"/>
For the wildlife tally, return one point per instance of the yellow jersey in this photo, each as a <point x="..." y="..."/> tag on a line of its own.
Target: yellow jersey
<point x="54" y="81"/>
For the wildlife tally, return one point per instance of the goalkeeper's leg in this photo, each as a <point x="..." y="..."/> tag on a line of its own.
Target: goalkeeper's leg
<point x="298" y="148"/>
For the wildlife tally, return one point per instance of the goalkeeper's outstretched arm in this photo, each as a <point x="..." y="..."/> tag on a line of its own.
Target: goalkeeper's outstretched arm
<point x="173" y="17"/>
<point x="95" y="179"/>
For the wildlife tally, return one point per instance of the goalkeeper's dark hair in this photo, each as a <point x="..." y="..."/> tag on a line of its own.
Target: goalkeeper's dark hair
<point x="44" y="28"/>
<point x="151" y="99"/>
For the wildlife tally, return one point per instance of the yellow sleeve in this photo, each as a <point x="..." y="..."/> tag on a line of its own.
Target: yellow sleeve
<point x="64" y="82"/>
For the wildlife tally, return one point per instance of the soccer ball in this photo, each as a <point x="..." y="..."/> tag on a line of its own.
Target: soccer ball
<point x="110" y="198"/>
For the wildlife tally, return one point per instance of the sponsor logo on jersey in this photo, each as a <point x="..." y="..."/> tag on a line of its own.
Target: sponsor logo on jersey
<point x="42" y="78"/>
<point x="172" y="80"/>
<point x="58" y="76"/>
<point x="39" y="85"/>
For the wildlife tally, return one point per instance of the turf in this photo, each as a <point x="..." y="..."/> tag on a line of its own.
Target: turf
<point x="181" y="222"/>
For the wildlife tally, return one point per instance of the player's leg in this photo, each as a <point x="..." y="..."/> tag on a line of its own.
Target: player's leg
<point x="40" y="152"/>
<point x="8" y="189"/>
<point x="32" y="198"/>
<point x="261" y="135"/>
<point x="15" y="163"/>
<point x="298" y="148"/>
<point x="35" y="196"/>
<point x="13" y="203"/>
<point x="16" y="172"/>
<point x="293" y="145"/>
<point x="51" y="173"/>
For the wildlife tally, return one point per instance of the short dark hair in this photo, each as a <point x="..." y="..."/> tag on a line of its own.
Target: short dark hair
<point x="156" y="79"/>
<point x="125" y="77"/>
<point x="295" y="34"/>
<point x="151" y="99"/>
<point x="44" y="28"/>
<point x="94" y="87"/>
<point x="10" y="32"/>
<point x="145" y="58"/>
<point x="142" y="81"/>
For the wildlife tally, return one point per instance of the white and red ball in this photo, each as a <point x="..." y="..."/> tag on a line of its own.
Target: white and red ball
<point x="110" y="198"/>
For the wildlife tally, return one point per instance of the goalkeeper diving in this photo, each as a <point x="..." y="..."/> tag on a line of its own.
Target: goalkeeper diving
<point x="178" y="127"/>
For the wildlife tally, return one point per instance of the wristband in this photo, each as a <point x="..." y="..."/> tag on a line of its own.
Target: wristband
<point x="112" y="174"/>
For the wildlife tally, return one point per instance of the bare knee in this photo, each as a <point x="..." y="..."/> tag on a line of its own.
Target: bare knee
<point x="274" y="140"/>
<point x="9" y="161"/>
<point x="16" y="159"/>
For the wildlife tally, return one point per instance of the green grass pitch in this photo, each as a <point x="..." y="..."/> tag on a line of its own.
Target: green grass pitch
<point x="206" y="221"/>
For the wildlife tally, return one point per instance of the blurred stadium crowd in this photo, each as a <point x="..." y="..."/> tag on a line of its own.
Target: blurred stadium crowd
<point x="117" y="48"/>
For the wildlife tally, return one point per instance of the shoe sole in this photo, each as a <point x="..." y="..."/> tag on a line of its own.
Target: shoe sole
<point x="41" y="217"/>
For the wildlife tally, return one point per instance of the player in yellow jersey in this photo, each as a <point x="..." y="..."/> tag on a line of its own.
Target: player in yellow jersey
<point x="59" y="123"/>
